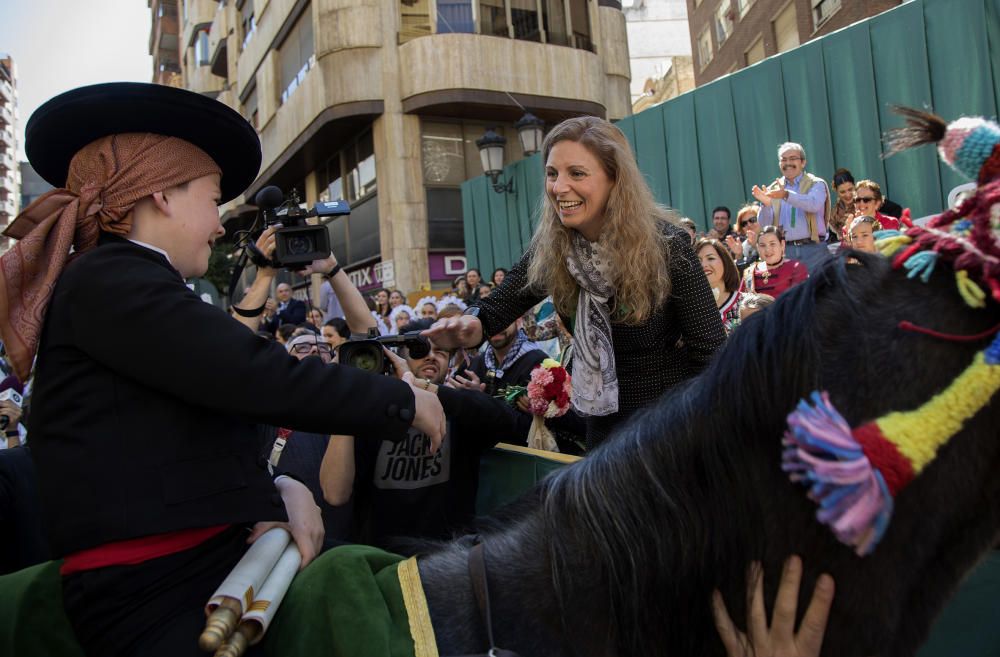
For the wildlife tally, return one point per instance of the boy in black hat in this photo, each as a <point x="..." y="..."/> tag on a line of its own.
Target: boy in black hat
<point x="144" y="440"/>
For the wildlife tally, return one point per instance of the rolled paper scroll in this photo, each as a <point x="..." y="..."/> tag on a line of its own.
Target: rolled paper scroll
<point x="236" y="593"/>
<point x="261" y="611"/>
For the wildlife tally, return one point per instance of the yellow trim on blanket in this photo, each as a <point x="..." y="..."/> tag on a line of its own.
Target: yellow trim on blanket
<point x="550" y="456"/>
<point x="421" y="631"/>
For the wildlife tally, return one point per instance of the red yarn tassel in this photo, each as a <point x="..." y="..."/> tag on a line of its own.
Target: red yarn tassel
<point x="905" y="255"/>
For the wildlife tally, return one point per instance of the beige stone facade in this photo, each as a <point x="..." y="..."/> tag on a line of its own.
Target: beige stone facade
<point x="380" y="102"/>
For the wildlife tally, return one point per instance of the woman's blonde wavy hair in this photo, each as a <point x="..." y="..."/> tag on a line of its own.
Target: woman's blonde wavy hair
<point x="633" y="230"/>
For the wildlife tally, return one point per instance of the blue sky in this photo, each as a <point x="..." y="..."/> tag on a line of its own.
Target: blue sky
<point x="62" y="44"/>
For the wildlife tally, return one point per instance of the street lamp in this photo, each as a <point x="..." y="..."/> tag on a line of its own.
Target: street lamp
<point x="529" y="129"/>
<point x="491" y="147"/>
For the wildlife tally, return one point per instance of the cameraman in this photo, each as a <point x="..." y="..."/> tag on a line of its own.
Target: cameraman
<point x="400" y="488"/>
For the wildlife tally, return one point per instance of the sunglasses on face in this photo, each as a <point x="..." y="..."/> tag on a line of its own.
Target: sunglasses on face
<point x="744" y="224"/>
<point x="864" y="199"/>
<point x="786" y="160"/>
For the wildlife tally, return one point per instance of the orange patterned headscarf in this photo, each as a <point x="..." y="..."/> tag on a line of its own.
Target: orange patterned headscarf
<point x="106" y="178"/>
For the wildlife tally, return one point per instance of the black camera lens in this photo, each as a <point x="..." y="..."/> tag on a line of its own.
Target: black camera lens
<point x="418" y="349"/>
<point x="299" y="244"/>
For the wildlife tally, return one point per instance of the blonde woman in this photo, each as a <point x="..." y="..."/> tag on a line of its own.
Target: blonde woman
<point x="622" y="276"/>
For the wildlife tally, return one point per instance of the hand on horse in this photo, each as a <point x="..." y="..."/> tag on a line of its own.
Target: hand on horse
<point x="305" y="521"/>
<point x="780" y="639"/>
<point x="455" y="332"/>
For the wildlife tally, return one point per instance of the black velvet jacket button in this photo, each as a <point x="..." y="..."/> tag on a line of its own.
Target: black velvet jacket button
<point x="406" y="415"/>
<point x="392" y="410"/>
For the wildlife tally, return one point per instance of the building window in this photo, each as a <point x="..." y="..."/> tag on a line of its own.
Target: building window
<point x="201" y="54"/>
<point x="744" y="6"/>
<point x="455" y="16"/>
<point x="415" y="19"/>
<point x="756" y="52"/>
<point x="554" y="22"/>
<point x="723" y="22"/>
<point x="579" y="18"/>
<point x="250" y="108"/>
<point x="296" y="54"/>
<point x="704" y="49"/>
<point x="493" y="18"/>
<point x="444" y="219"/>
<point x="442" y="153"/>
<point x="786" y="29"/>
<point x="524" y="20"/>
<point x="248" y="23"/>
<point x="823" y="9"/>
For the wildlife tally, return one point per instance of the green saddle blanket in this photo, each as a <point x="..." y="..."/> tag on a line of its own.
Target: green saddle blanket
<point x="357" y="600"/>
<point x="352" y="600"/>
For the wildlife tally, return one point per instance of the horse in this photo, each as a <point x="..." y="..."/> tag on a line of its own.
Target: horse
<point x="619" y="553"/>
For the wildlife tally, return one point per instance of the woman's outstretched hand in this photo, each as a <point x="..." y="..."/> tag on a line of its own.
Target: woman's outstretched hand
<point x="455" y="332"/>
<point x="780" y="639"/>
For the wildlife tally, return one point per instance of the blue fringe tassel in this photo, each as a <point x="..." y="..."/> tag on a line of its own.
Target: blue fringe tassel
<point x="921" y="264"/>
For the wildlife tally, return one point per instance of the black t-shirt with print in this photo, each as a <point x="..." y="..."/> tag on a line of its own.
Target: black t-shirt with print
<point x="401" y="490"/>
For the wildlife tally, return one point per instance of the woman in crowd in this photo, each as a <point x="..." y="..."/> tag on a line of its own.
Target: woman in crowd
<point x="622" y="275"/>
<point x="400" y="316"/>
<point x="427" y="307"/>
<point x="396" y="299"/>
<point x="336" y="332"/>
<point x="382" y="309"/>
<point x="743" y="247"/>
<point x="724" y="279"/>
<point x="843" y="210"/>
<point x="868" y="200"/>
<point x="314" y="318"/>
<point x="459" y="288"/>
<point x="773" y="274"/>
<point x="498" y="275"/>
<point x="473" y="279"/>
<point x="861" y="235"/>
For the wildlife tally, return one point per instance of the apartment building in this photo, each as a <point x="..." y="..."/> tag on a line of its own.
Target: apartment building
<point x="727" y="35"/>
<point x="10" y="173"/>
<point x="164" y="42"/>
<point x="380" y="102"/>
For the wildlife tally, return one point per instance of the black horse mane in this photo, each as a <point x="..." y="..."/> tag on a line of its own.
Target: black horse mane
<point x="689" y="492"/>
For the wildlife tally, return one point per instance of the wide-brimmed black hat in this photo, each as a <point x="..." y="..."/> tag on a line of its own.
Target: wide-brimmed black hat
<point x="71" y="120"/>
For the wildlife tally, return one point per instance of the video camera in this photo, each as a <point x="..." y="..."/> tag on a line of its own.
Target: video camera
<point x="366" y="354"/>
<point x="296" y="243"/>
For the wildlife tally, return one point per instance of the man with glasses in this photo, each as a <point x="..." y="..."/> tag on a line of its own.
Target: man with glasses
<point x="799" y="202"/>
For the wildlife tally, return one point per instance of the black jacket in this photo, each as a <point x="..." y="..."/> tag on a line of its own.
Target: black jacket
<point x="146" y="397"/>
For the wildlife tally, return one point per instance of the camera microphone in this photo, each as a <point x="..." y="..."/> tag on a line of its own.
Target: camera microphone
<point x="270" y="197"/>
<point x="10" y="389"/>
